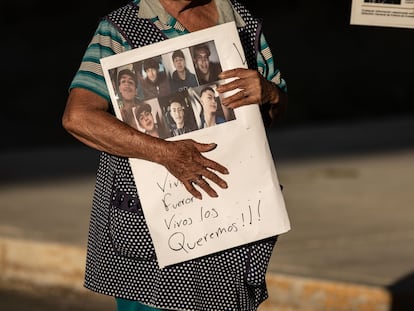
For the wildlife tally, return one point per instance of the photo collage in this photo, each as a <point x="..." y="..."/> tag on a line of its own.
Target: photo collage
<point x="173" y="93"/>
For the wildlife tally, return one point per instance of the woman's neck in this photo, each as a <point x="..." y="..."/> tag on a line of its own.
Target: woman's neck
<point x="193" y="15"/>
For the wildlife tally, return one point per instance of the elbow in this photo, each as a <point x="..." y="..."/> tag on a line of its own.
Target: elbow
<point x="70" y="121"/>
<point x="82" y="110"/>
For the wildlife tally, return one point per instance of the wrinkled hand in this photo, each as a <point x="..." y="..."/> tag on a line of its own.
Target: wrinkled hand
<point x="254" y="88"/>
<point x="184" y="160"/>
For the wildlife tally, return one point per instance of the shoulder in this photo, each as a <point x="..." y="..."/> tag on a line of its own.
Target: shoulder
<point x="107" y="40"/>
<point x="244" y="12"/>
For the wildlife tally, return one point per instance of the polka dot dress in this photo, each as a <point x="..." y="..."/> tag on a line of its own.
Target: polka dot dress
<point x="121" y="260"/>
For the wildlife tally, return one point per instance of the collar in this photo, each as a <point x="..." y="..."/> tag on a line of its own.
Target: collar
<point x="150" y="9"/>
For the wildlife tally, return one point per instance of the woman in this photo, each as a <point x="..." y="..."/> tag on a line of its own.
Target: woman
<point x="122" y="262"/>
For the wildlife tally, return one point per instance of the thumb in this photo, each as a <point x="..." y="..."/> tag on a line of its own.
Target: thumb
<point x="205" y="147"/>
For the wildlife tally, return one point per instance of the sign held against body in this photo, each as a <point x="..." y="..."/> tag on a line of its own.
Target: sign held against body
<point x="252" y="208"/>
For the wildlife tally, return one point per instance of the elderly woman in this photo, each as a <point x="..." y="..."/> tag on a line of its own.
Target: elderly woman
<point x="122" y="263"/>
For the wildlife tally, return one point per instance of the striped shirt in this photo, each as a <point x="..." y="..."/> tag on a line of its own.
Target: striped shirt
<point x="108" y="41"/>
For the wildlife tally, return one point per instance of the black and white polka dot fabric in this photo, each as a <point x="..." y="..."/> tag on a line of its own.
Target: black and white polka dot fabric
<point x="120" y="257"/>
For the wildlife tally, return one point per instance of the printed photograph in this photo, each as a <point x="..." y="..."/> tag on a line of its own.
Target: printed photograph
<point x="180" y="70"/>
<point x="208" y="108"/>
<point x="178" y="113"/>
<point x="171" y="94"/>
<point x="206" y="62"/>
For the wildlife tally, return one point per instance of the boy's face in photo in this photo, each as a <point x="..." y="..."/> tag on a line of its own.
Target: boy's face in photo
<point x="127" y="87"/>
<point x="202" y="61"/>
<point x="177" y="113"/>
<point x="179" y="63"/>
<point x="146" y="120"/>
<point x="152" y="74"/>
<point x="208" y="101"/>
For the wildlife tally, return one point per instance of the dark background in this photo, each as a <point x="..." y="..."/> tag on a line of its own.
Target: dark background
<point x="336" y="72"/>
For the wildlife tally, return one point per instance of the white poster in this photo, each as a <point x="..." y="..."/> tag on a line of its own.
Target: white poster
<point x="181" y="226"/>
<point x="390" y="13"/>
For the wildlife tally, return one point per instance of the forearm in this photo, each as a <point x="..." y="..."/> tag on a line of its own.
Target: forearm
<point x="86" y="119"/>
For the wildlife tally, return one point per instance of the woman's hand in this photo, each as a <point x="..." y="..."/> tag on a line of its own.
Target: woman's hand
<point x="253" y="88"/>
<point x="184" y="160"/>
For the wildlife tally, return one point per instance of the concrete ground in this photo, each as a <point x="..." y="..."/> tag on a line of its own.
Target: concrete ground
<point x="348" y="190"/>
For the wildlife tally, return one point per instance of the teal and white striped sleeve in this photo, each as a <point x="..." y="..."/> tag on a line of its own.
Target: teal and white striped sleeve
<point x="266" y="64"/>
<point x="105" y="42"/>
